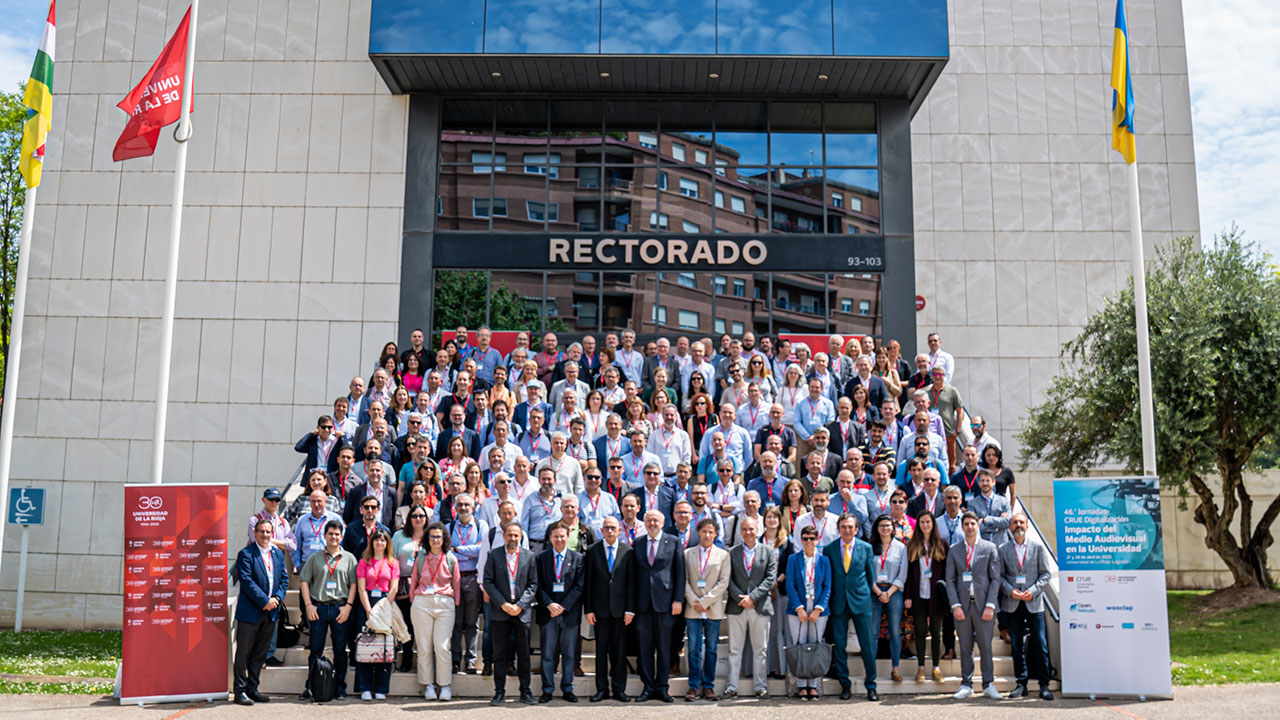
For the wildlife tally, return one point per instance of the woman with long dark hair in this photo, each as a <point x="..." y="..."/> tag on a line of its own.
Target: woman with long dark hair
<point x="434" y="584"/>
<point x="926" y="590"/>
<point x="377" y="577"/>
<point x="890" y="564"/>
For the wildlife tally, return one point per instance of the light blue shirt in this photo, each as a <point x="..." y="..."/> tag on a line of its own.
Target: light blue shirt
<point x="537" y="514"/>
<point x="753" y="422"/>
<point x="686" y="371"/>
<point x="465" y="543"/>
<point x="486" y="362"/>
<point x="894" y="568"/>
<point x="606" y="505"/>
<point x="811" y="415"/>
<point x="536" y="447"/>
<point x="309" y="534"/>
<point x="737" y="444"/>
<point x="633" y="467"/>
<point x="907" y="447"/>
<point x="631" y="363"/>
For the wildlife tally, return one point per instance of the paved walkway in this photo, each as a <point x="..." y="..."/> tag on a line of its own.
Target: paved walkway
<point x="1193" y="703"/>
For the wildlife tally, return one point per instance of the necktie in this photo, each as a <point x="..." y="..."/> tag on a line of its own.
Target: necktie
<point x="846" y="558"/>
<point x="610" y="554"/>
<point x="653" y="550"/>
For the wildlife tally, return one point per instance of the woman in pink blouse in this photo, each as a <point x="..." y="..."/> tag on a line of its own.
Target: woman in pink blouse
<point x="377" y="576"/>
<point x="433" y="583"/>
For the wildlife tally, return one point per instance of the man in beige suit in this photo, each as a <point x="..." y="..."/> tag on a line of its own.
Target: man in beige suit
<point x="705" y="592"/>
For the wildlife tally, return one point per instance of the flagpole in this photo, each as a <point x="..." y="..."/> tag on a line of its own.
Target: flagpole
<point x="181" y="134"/>
<point x="1146" y="402"/>
<point x="9" y="411"/>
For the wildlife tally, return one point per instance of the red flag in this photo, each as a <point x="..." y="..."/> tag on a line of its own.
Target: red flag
<point x="157" y="100"/>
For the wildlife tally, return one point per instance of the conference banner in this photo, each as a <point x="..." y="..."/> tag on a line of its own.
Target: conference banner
<point x="175" y="593"/>
<point x="1115" y="620"/>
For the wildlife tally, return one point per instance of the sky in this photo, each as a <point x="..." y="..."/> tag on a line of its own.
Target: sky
<point x="1233" y="59"/>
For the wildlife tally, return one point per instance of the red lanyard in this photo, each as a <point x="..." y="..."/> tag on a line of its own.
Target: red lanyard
<point x="595" y="504"/>
<point x="930" y="502"/>
<point x="702" y="424"/>
<point x="969" y="480"/>
<point x="559" y="565"/>
<point x="536" y="441"/>
<point x="631" y="533"/>
<point x="1021" y="552"/>
<point x="613" y="446"/>
<point x="463" y="403"/>
<point x="266" y="560"/>
<point x="809" y="571"/>
<point x="748" y="558"/>
<point x="547" y="507"/>
<point x="333" y="569"/>
<point x="435" y="574"/>
<point x="934" y="394"/>
<point x="813" y="409"/>
<point x="666" y="442"/>
<point x="312" y="521"/>
<point x="755" y="411"/>
<point x="704" y="557"/>
<point x="635" y="466"/>
<point x="513" y="566"/>
<point x="464" y="534"/>
<point x="968" y="555"/>
<point x="822" y="530"/>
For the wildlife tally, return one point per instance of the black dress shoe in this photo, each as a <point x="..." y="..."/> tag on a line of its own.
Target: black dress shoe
<point x="872" y="695"/>
<point x="665" y="697"/>
<point x="598" y="697"/>
<point x="546" y="698"/>
<point x="305" y="696"/>
<point x="845" y="694"/>
<point x="527" y="698"/>
<point x="1020" y="691"/>
<point x="258" y="697"/>
<point x="569" y="697"/>
<point x="498" y="698"/>
<point x="274" y="661"/>
<point x="242" y="699"/>
<point x="644" y="697"/>
<point x="1046" y="693"/>
<point x="622" y="697"/>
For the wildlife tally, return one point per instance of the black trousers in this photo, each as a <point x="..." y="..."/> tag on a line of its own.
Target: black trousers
<point x="252" y="642"/>
<point x="466" y="622"/>
<point x="503" y="648"/>
<point x="611" y="664"/>
<point x="653" y="633"/>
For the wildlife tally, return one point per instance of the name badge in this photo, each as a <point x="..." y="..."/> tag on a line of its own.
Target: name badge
<point x="966" y="577"/>
<point x="928" y="573"/>
<point x="429" y="590"/>
<point x="557" y="587"/>
<point x="882" y="578"/>
<point x="702" y="584"/>
<point x="331" y="585"/>
<point x="1020" y="579"/>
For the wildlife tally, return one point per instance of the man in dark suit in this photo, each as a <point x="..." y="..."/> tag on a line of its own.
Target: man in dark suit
<point x="753" y="569"/>
<point x="374" y="485"/>
<point x="930" y="499"/>
<point x="321" y="445"/>
<point x="656" y="600"/>
<point x="456" y="427"/>
<point x="560" y="578"/>
<point x="263" y="580"/>
<point x="876" y="390"/>
<point x="664" y="358"/>
<point x="605" y="599"/>
<point x="511" y="582"/>
<point x="537" y="395"/>
<point x="655" y="495"/>
<point x="852" y="578"/>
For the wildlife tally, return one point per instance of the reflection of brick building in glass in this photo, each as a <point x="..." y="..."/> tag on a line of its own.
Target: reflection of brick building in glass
<point x="514" y="183"/>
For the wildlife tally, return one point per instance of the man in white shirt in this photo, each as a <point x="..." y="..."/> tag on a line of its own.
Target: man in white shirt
<point x="670" y="442"/>
<point x="510" y="450"/>
<point x="753" y="414"/>
<point x="596" y="504"/>
<point x="939" y="357"/>
<point x="697" y="363"/>
<point x="819" y="519"/>
<point x="737" y="442"/>
<point x="567" y="470"/>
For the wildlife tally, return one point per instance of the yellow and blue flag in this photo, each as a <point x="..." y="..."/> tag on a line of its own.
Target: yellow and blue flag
<point x="1122" y="132"/>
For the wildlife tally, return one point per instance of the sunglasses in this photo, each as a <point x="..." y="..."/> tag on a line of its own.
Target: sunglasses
<point x="418" y="517"/>
<point x="650" y="472"/>
<point x="330" y="427"/>
<point x="897" y="502"/>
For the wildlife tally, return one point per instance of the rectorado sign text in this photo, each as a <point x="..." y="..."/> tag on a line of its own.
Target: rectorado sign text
<point x="580" y="251"/>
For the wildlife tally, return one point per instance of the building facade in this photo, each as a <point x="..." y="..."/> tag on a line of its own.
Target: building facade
<point x="319" y="182"/>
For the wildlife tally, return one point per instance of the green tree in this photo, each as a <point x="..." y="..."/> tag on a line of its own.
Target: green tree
<point x="12" y="114"/>
<point x="459" y="300"/>
<point x="1215" y="366"/>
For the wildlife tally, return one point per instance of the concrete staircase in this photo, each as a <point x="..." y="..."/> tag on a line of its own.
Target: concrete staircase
<point x="290" y="678"/>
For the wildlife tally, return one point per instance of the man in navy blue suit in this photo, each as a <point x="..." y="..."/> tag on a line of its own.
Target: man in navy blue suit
<point x="875" y="386"/>
<point x="263" y="579"/>
<point x="458" y="428"/>
<point x="655" y="603"/>
<point x="654" y="495"/>
<point x="321" y="445"/>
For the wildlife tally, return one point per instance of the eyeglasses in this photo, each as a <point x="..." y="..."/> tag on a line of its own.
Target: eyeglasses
<point x="366" y="507"/>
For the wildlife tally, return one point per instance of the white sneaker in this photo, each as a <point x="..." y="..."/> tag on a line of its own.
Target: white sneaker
<point x="366" y="695"/>
<point x="964" y="692"/>
<point x="445" y="693"/>
<point x="379" y="696"/>
<point x="429" y="693"/>
<point x="992" y="693"/>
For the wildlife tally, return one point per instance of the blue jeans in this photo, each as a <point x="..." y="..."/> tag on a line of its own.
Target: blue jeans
<point x="327" y="622"/>
<point x="894" y="608"/>
<point x="1033" y="656"/>
<point x="701" y="652"/>
<point x="559" y="639"/>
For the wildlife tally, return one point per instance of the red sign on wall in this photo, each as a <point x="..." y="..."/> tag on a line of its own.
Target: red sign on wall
<point x="175" y="593"/>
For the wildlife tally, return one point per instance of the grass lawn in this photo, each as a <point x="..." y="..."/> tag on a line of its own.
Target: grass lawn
<point x="1237" y="646"/>
<point x="70" y="654"/>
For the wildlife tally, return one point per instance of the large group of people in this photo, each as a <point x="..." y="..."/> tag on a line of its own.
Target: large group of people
<point x="654" y="498"/>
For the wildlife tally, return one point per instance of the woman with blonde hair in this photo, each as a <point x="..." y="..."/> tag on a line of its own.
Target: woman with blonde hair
<point x="885" y="370"/>
<point x="758" y="372"/>
<point x="794" y="390"/>
<point x="528" y="374"/>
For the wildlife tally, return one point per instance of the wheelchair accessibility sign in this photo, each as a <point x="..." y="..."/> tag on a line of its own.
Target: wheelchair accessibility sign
<point x="26" y="506"/>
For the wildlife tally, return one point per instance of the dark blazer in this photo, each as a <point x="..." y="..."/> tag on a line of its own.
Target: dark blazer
<point x="655" y="587"/>
<point x="690" y="541"/>
<point x="831" y="468"/>
<point x="355" y="539"/>
<point x="606" y="594"/>
<point x="470" y="438"/>
<point x="351" y="510"/>
<point x="251" y="574"/>
<point x="938" y="588"/>
<point x="521" y="414"/>
<point x="571" y="574"/>
<point x="498" y="586"/>
<point x="651" y="364"/>
<point x="916" y="505"/>
<point x="602" y="449"/>
<point x="876" y="390"/>
<point x="757" y="583"/>
<point x="851" y="592"/>
<point x="857" y="436"/>
<point x="666" y="504"/>
<point x="310" y="444"/>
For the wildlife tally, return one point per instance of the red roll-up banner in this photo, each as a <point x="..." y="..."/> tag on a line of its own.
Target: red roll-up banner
<point x="175" y="593"/>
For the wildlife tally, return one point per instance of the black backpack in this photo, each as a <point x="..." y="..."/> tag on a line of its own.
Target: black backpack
<point x="322" y="680"/>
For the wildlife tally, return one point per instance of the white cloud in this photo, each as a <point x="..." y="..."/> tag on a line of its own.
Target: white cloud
<point x="1234" y="68"/>
<point x="16" y="56"/>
